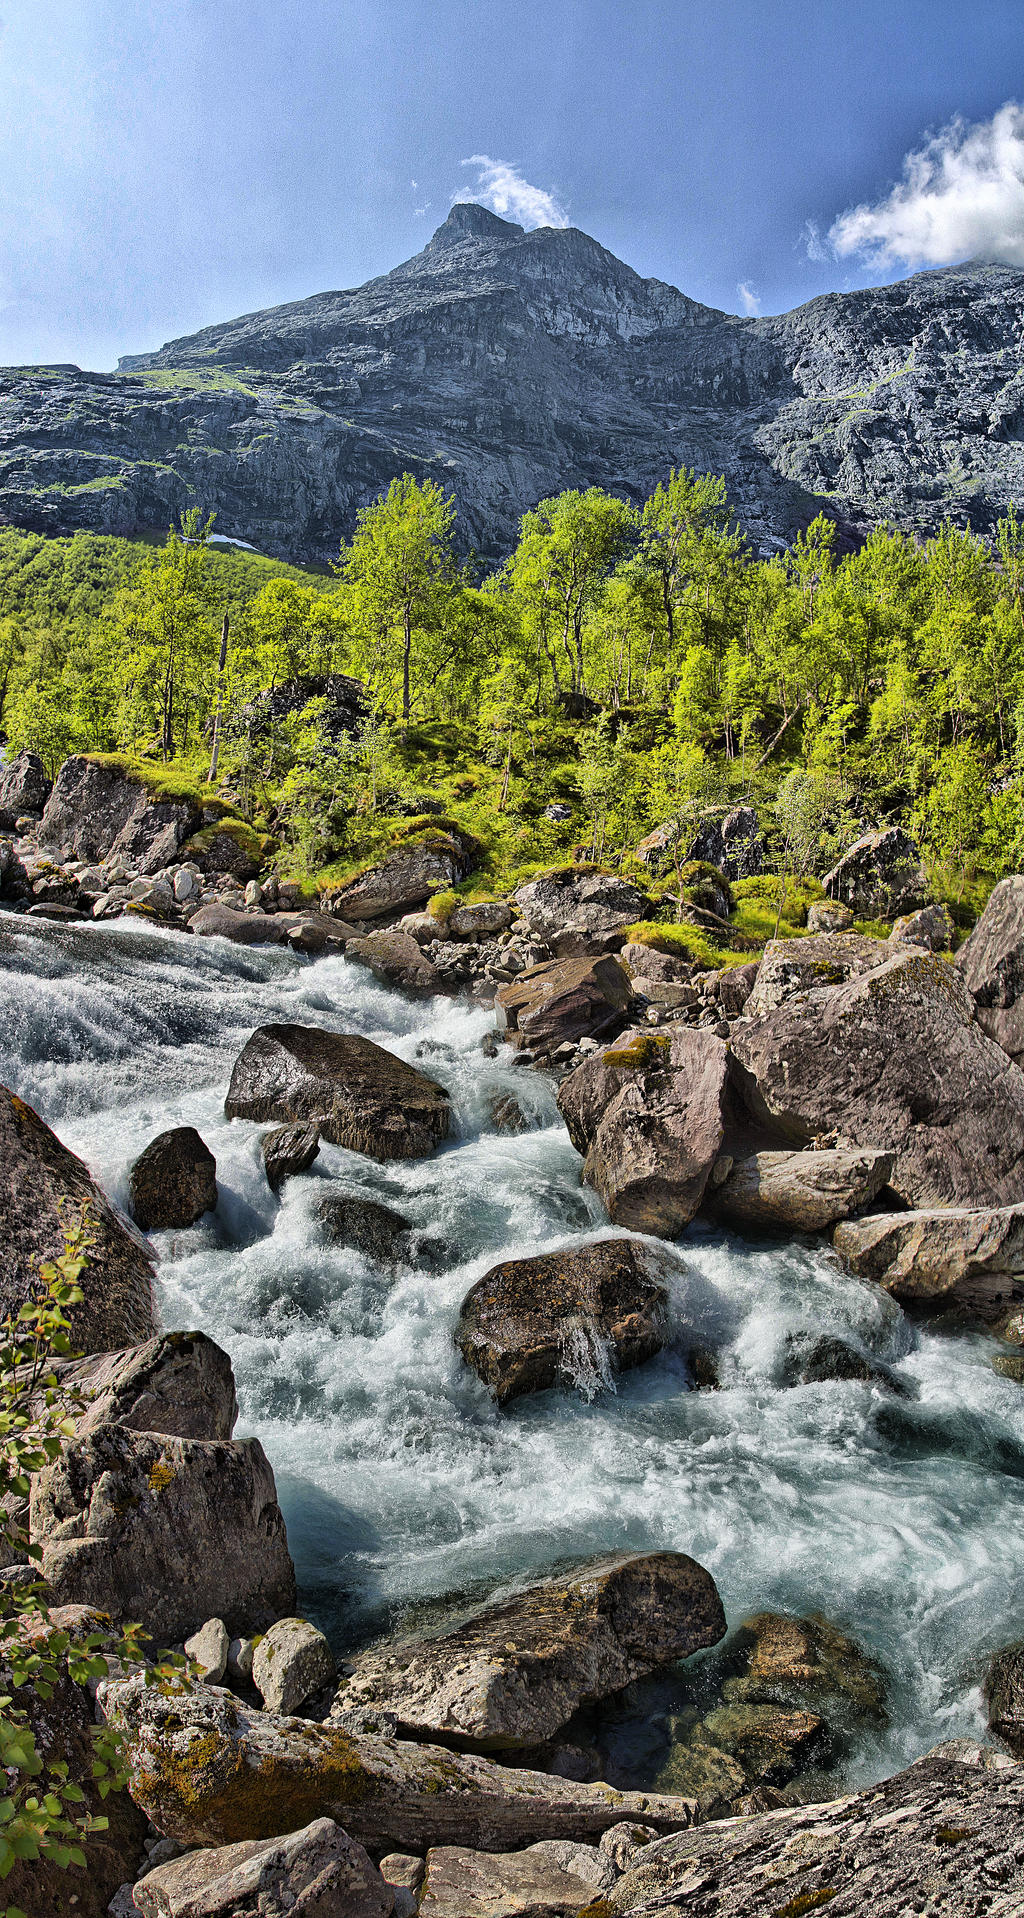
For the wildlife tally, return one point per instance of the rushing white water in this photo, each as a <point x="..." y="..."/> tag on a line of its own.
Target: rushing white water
<point x="403" y="1486"/>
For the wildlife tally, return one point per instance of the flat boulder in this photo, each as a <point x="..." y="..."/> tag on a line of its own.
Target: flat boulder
<point x="287" y="1151"/>
<point x="991" y="962"/>
<point x="799" y="1191"/>
<point x="547" y="1005"/>
<point x="173" y="1181"/>
<point x="42" y="1185"/>
<point x="359" y="1095"/>
<point x="318" y="1872"/>
<point x="576" y="910"/>
<point x="100" y="809"/>
<point x="893" y="1060"/>
<point x="242" y="928"/>
<point x="532" y="1323"/>
<point x="408" y="876"/>
<point x="459" y="1883"/>
<point x="209" y="1770"/>
<point x="180" y="1384"/>
<point x="648" y="1114"/>
<point x="168" y="1531"/>
<point x="791" y="967"/>
<point x="943" y="1258"/>
<point x="880" y="876"/>
<point x="397" y="958"/>
<point x="514" y="1673"/>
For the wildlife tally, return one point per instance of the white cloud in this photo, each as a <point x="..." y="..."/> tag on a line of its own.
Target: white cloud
<point x="419" y="211"/>
<point x="750" y="299"/>
<point x="502" y="188"/>
<point x="814" y="246"/>
<point x="961" y="197"/>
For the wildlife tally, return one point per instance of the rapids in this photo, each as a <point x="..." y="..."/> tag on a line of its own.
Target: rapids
<point x="404" y="1490"/>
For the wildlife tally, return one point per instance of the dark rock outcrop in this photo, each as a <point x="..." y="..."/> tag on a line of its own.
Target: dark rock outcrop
<point x="43" y="1186"/>
<point x="396" y="958"/>
<point x="575" y="910"/>
<point x="173" y="1181"/>
<point x="992" y="964"/>
<point x="344" y="708"/>
<point x="287" y="1151"/>
<point x="1004" y="1697"/>
<point x="407" y="876"/>
<point x="312" y="1873"/>
<point x="532" y="1323"/>
<point x="98" y="809"/>
<point x="894" y="1060"/>
<point x="880" y="876"/>
<point x="944" y="1259"/>
<point x="799" y="1191"/>
<point x="548" y="1005"/>
<point x="24" y="786"/>
<point x="649" y="1116"/>
<point x="514" y="1673"/>
<point x="376" y="1230"/>
<point x="359" y="1095"/>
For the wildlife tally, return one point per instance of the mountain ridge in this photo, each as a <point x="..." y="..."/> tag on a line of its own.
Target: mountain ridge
<point x="509" y="365"/>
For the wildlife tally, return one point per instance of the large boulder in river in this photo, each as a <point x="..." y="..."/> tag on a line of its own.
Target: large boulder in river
<point x="43" y="1187"/>
<point x="396" y="958"/>
<point x="992" y="964"/>
<point x="173" y="1181"/>
<point x="359" y="1095"/>
<point x="799" y="1191"/>
<point x="242" y="928"/>
<point x="180" y="1384"/>
<point x="24" y="786"/>
<point x="165" y="1530"/>
<point x="894" y="1060"/>
<point x="287" y="1151"/>
<point x="514" y="1673"/>
<point x="880" y="876"/>
<point x="407" y="876"/>
<point x="318" y="1872"/>
<point x="941" y="1259"/>
<point x="209" y="1770"/>
<point x="565" y="999"/>
<point x="531" y="1323"/>
<point x="100" y="807"/>
<point x="576" y="910"/>
<point x="649" y="1116"/>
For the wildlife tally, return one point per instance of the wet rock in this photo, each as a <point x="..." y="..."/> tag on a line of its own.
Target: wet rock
<point x="532" y="1323"/>
<point x="396" y="958"/>
<point x="811" y="1361"/>
<point x="827" y="915"/>
<point x="42" y="1185"/>
<point x="408" y="876"/>
<point x="207" y="1769"/>
<point x="24" y="786"/>
<point x="931" y="928"/>
<point x="507" y="1114"/>
<point x="319" y="1872"/>
<point x="359" y="1095"/>
<point x="99" y="810"/>
<point x="935" y="1260"/>
<point x="516" y="1672"/>
<point x="799" y="1191"/>
<point x="567" y="999"/>
<point x="291" y="1663"/>
<point x="460" y="1883"/>
<point x="376" y="1230"/>
<point x="1003" y="1691"/>
<point x="180" y="1384"/>
<point x="165" y="1530"/>
<point x="942" y="1830"/>
<point x="648" y="1114"/>
<point x="173" y="1181"/>
<point x="893" y="1060"/>
<point x="287" y="1151"/>
<point x="991" y="962"/>
<point x="793" y="967"/>
<point x="807" y="1663"/>
<point x="576" y="910"/>
<point x="880" y="876"/>
<point x="208" y="1648"/>
<point x="242" y="928"/>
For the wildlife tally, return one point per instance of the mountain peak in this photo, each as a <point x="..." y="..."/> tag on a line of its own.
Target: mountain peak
<point x="467" y="221"/>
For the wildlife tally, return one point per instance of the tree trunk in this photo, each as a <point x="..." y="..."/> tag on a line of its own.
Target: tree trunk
<point x="406" y="655"/>
<point x="221" y="664"/>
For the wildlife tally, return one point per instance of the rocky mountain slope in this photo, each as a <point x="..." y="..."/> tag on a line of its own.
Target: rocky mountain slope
<point x="508" y="365"/>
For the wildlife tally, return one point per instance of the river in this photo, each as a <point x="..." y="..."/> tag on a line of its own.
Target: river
<point x="403" y="1487"/>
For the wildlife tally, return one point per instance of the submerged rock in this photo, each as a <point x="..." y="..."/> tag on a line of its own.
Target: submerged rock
<point x="567" y="999"/>
<point x="376" y="1230"/>
<point x="880" y="876"/>
<point x="992" y="964"/>
<point x="894" y="1060"/>
<point x="208" y="1770"/>
<point x="43" y="1187"/>
<point x="318" y="1872"/>
<point x="532" y="1323"/>
<point x="972" y="1261"/>
<point x="799" y="1191"/>
<point x="173" y="1181"/>
<point x="165" y="1530"/>
<point x="517" y="1671"/>
<point x="359" y="1095"/>
<point x="648" y="1114"/>
<point x="287" y="1151"/>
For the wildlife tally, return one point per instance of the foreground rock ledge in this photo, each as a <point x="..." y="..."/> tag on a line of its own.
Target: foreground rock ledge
<point x="209" y="1770"/>
<point x="358" y="1094"/>
<point x="941" y="1838"/>
<point x="512" y="1675"/>
<point x="315" y="1873"/>
<point x="972" y="1261"/>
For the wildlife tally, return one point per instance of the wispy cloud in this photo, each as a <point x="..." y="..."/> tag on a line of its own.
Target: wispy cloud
<point x="502" y="187"/>
<point x="813" y="244"/>
<point x="750" y="298"/>
<point x="961" y="197"/>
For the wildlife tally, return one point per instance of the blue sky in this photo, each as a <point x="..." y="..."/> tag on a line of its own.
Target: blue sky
<point x="163" y="167"/>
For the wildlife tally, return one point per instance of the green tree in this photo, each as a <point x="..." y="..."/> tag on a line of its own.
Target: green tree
<point x="398" y="570"/>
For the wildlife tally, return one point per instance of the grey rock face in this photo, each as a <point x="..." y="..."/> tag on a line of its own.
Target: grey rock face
<point x="173" y="1181"/>
<point x="180" y="1384"/>
<point x="318" y="1872"/>
<point x="42" y="1183"/>
<point x="406" y="877"/>
<point x="793" y="966"/>
<point x="24" y="787"/>
<point x="99" y="812"/>
<point x="992" y="963"/>
<point x="359" y="1095"/>
<point x="396" y="958"/>
<point x="516" y="1672"/>
<point x="458" y="1881"/>
<point x="932" y="927"/>
<point x="580" y="912"/>
<point x="879" y="876"/>
<point x="209" y="1649"/>
<point x="566" y="999"/>
<point x="508" y="365"/>
<point x="291" y="1662"/>
<point x="971" y="1261"/>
